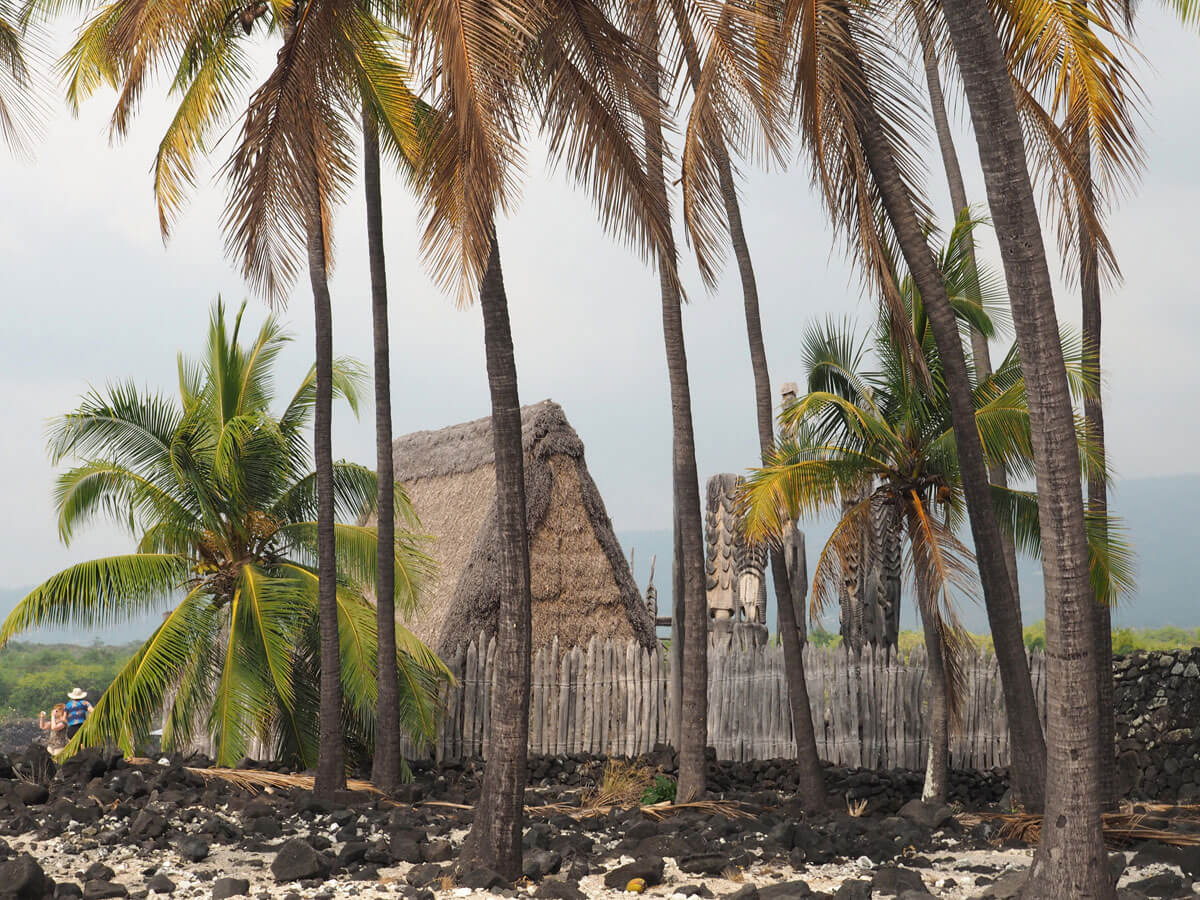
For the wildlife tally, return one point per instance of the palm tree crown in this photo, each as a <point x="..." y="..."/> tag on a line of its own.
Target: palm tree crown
<point x="218" y="493"/>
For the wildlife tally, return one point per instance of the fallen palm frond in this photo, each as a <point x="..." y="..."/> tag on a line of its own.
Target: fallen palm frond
<point x="1120" y="828"/>
<point x="254" y="780"/>
<point x="659" y="811"/>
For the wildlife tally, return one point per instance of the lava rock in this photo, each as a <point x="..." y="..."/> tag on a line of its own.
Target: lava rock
<point x="556" y="889"/>
<point x="1165" y="884"/>
<point x="67" y="890"/>
<point x="423" y="874"/>
<point x="1007" y="886"/>
<point x="649" y="869"/>
<point x="98" y="871"/>
<point x="23" y="878"/>
<point x="296" y="861"/>
<point x="31" y="793"/>
<point x="482" y="879"/>
<point x="931" y="815"/>
<point x="161" y="884"/>
<point x="893" y="880"/>
<point x="787" y="890"/>
<point x="705" y="864"/>
<point x="148" y="824"/>
<point x="224" y="888"/>
<point x="854" y="890"/>
<point x="103" y="890"/>
<point x="193" y="848"/>
<point x="537" y="864"/>
<point x="745" y="892"/>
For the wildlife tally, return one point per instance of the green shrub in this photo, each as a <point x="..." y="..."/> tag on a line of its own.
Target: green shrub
<point x="661" y="791"/>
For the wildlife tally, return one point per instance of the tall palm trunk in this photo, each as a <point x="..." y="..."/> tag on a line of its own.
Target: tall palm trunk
<point x="1028" y="745"/>
<point x="1097" y="488"/>
<point x="980" y="353"/>
<point x="386" y="766"/>
<point x="331" y="756"/>
<point x="1071" y="860"/>
<point x="495" y="837"/>
<point x="812" y="780"/>
<point x="693" y="727"/>
<point x="937" y="761"/>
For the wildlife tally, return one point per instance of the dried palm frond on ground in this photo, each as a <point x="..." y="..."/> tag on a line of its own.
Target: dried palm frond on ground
<point x="254" y="780"/>
<point x="1151" y="822"/>
<point x="621" y="784"/>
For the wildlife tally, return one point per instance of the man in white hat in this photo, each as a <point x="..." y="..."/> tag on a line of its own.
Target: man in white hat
<point x="78" y="710"/>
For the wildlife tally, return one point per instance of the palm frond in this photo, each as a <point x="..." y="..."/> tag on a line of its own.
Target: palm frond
<point x="475" y="53"/>
<point x="133" y="703"/>
<point x="99" y="593"/>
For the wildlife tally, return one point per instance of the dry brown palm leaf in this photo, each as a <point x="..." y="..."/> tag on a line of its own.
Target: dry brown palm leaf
<point x="473" y="53"/>
<point x="593" y="101"/>
<point x="254" y="780"/>
<point x="1120" y="828"/>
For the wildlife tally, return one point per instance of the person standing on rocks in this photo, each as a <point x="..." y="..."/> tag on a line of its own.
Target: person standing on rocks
<point x="56" y="726"/>
<point x="78" y="709"/>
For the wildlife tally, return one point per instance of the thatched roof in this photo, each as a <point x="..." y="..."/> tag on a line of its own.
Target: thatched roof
<point x="581" y="580"/>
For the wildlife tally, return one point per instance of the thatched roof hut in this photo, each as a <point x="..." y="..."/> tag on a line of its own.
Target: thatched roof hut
<point x="582" y="584"/>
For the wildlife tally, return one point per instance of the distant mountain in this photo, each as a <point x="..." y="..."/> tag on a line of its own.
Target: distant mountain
<point x="1161" y="517"/>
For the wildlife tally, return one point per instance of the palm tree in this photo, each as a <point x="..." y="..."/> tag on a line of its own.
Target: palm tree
<point x="882" y="427"/>
<point x="717" y="83"/>
<point x="490" y="67"/>
<point x="690" y="614"/>
<point x="1071" y="859"/>
<point x="217" y="492"/>
<point x="19" y="111"/>
<point x="856" y="122"/>
<point x="980" y="353"/>
<point x="290" y="167"/>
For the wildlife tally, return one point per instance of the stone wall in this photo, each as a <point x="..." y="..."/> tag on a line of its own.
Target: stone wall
<point x="1157" y="700"/>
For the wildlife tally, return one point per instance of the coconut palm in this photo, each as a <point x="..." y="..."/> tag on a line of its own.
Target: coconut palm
<point x="690" y="614"/>
<point x="720" y="79"/>
<point x="19" y="112"/>
<point x="290" y="167"/>
<point x="1070" y="859"/>
<point x="491" y="68"/>
<point x="856" y="119"/>
<point x="881" y="436"/>
<point x="217" y="491"/>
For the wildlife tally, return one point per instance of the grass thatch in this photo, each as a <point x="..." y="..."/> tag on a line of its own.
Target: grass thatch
<point x="581" y="581"/>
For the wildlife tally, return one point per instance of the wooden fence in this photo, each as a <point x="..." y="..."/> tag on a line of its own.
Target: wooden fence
<point x="614" y="699"/>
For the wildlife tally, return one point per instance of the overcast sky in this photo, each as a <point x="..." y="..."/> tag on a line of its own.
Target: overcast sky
<point x="91" y="295"/>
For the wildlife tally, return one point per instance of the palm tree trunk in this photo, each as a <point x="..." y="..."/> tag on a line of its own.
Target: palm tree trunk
<point x="812" y="781"/>
<point x="1097" y="488"/>
<point x="495" y="837"/>
<point x="1071" y="860"/>
<point x="678" y="626"/>
<point x="1028" y="745"/>
<point x="693" y="729"/>
<point x="386" y="766"/>
<point x="980" y="353"/>
<point x="331" y="758"/>
<point x="938" y="759"/>
<point x="811" y="787"/>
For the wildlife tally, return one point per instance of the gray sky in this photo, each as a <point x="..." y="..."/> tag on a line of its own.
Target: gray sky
<point x="91" y="295"/>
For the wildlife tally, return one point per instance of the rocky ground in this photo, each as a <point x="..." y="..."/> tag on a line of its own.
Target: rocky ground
<point x="100" y="827"/>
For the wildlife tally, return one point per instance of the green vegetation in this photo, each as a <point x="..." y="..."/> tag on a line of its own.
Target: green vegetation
<point x="1124" y="640"/>
<point x="33" y="677"/>
<point x="661" y="791"/>
<point x="219" y="496"/>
